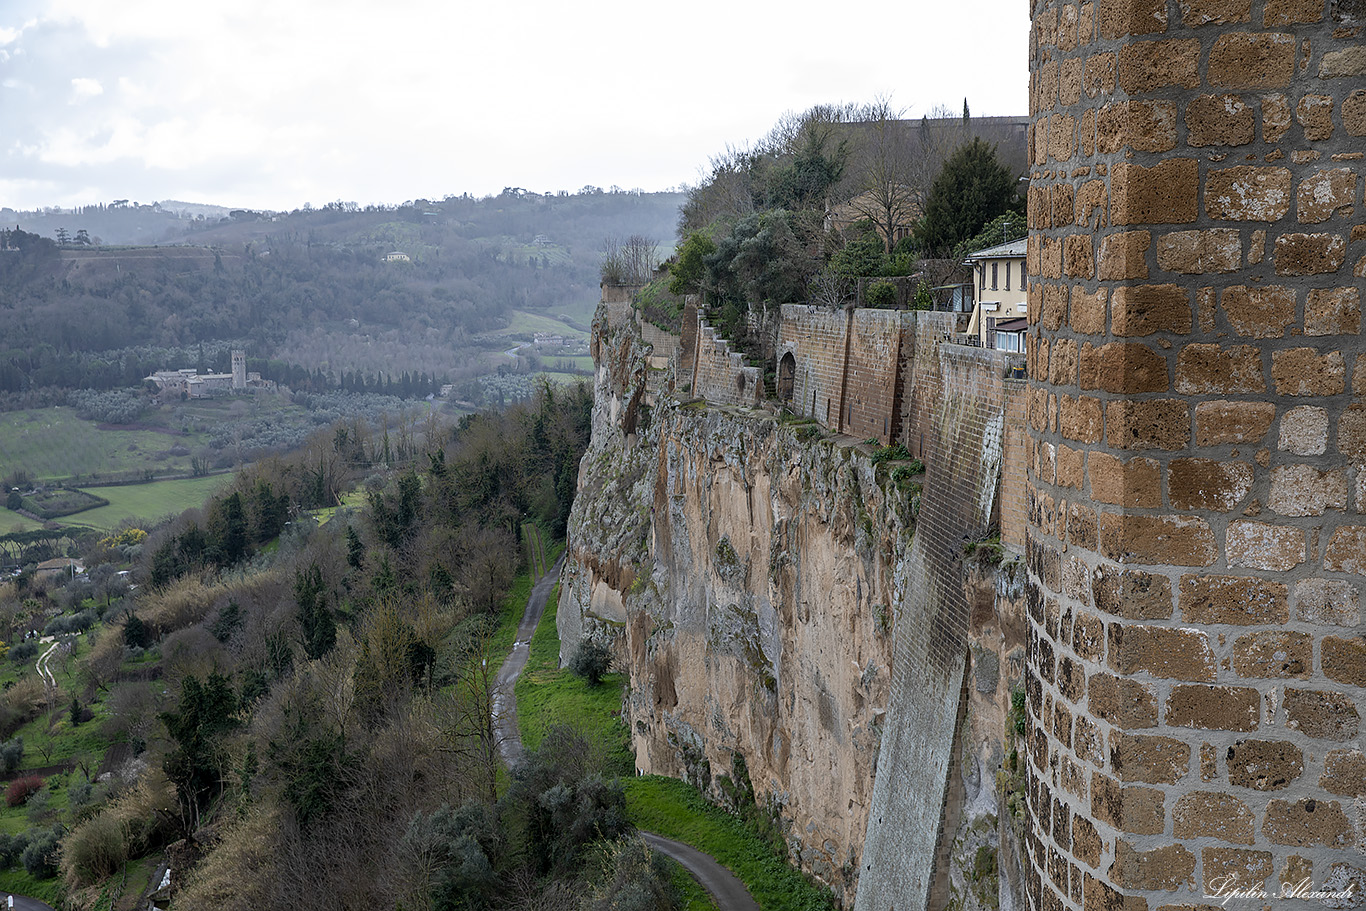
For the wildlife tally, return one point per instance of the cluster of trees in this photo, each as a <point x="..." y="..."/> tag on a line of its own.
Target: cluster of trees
<point x="230" y="530"/>
<point x="324" y="704"/>
<point x="836" y="195"/>
<point x="80" y="239"/>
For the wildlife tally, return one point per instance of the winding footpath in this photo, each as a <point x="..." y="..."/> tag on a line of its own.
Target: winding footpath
<point x="44" y="671"/>
<point x="730" y="894"/>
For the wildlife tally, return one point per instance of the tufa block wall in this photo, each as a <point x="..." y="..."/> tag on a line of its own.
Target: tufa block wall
<point x="817" y="339"/>
<point x="720" y="375"/>
<point x="1196" y="498"/>
<point x="871" y="374"/>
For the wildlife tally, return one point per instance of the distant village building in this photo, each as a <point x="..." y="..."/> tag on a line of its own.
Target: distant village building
<point x="396" y="257"/>
<point x="62" y="566"/>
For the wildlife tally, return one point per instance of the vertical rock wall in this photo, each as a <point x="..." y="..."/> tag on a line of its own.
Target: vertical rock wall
<point x="1196" y="536"/>
<point x="754" y="575"/>
<point x="746" y="571"/>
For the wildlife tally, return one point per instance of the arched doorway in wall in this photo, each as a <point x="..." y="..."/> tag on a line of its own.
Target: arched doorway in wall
<point x="787" y="375"/>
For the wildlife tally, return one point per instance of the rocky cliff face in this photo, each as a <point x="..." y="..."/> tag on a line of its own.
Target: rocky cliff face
<point x="749" y="574"/>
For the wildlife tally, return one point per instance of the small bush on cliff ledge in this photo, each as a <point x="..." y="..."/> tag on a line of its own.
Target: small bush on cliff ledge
<point x="987" y="552"/>
<point x="591" y="661"/>
<point x="896" y="453"/>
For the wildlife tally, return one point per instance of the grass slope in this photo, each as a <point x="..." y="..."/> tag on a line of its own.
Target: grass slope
<point x="548" y="696"/>
<point x="148" y="501"/>
<point x="55" y="443"/>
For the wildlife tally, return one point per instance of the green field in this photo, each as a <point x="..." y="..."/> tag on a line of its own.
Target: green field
<point x="565" y="379"/>
<point x="524" y="324"/>
<point x="55" y="443"/>
<point x="131" y="501"/>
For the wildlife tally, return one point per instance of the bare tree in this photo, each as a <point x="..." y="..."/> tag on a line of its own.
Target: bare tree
<point x="631" y="261"/>
<point x="465" y="723"/>
<point x="889" y="190"/>
<point x="828" y="288"/>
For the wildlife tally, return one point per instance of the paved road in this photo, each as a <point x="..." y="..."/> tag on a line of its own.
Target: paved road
<point x="730" y="894"/>
<point x="22" y="903"/>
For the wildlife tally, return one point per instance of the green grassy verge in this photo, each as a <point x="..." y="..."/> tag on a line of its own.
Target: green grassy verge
<point x="692" y="897"/>
<point x="548" y="696"/>
<point x="45" y="890"/>
<point x="676" y="810"/>
<point x="535" y="546"/>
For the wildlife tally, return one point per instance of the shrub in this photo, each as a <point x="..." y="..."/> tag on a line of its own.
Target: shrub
<point x="11" y="754"/>
<point x="12" y="848"/>
<point x="93" y="851"/>
<point x="80" y="794"/>
<point x="23" y="651"/>
<point x="880" y="295"/>
<point x="20" y="704"/>
<point x="895" y="453"/>
<point x="591" y="661"/>
<point x="40" y="856"/>
<point x="21" y="789"/>
<point x="39" y="808"/>
<point x="65" y="624"/>
<point x="633" y="878"/>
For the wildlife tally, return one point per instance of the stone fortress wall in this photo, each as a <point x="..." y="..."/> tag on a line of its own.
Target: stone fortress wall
<point x="1197" y="432"/>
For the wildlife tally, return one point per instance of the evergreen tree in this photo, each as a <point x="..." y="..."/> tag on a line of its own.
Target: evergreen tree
<point x="206" y="711"/>
<point x="971" y="190"/>
<point x="355" y="550"/>
<point x="318" y="626"/>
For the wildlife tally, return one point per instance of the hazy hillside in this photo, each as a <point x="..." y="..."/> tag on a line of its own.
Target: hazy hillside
<point x="310" y="288"/>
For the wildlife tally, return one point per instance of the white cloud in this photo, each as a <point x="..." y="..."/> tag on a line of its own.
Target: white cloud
<point x="267" y="104"/>
<point x="83" y="88"/>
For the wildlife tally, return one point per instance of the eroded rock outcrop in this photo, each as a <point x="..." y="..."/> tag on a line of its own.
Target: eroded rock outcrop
<point x="750" y="573"/>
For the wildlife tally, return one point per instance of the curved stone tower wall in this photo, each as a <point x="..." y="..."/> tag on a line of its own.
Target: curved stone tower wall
<point x="1197" y="542"/>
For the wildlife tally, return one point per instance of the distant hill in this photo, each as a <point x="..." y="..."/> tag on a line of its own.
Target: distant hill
<point x="317" y="289"/>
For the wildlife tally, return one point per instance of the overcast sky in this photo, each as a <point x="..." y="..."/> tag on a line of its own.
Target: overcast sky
<point x="274" y="103"/>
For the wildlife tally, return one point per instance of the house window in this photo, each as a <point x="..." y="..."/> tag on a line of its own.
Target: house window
<point x="994" y="267"/>
<point x="991" y="332"/>
<point x="1007" y="275"/>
